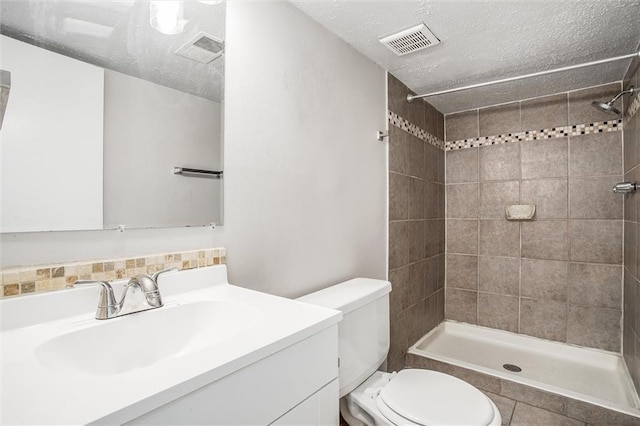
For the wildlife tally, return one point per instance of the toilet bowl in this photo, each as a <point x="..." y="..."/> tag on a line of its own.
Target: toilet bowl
<point x="408" y="397"/>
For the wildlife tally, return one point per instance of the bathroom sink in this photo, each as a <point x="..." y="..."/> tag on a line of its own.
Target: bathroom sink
<point x="54" y="350"/>
<point x="141" y="340"/>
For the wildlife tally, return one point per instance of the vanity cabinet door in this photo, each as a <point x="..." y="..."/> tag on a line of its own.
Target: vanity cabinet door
<point x="278" y="388"/>
<point x="321" y="408"/>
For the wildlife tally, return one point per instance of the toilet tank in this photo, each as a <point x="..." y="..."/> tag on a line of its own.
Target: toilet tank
<point x="364" y="329"/>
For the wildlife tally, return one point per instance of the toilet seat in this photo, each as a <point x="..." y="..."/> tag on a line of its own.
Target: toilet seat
<point x="392" y="416"/>
<point x="425" y="397"/>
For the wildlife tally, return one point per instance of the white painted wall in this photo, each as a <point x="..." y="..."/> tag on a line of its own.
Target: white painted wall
<point x="148" y="130"/>
<point x="53" y="117"/>
<point x="305" y="178"/>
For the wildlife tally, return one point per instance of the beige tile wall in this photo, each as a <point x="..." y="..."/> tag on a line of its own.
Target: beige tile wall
<point x="631" y="322"/>
<point x="559" y="276"/>
<point x="416" y="227"/>
<point x="35" y="279"/>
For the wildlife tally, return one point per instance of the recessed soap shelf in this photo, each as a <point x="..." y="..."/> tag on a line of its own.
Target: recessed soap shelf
<point x="520" y="211"/>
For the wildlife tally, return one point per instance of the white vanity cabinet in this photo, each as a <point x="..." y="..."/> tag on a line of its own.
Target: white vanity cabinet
<point x="214" y="354"/>
<point x="295" y="386"/>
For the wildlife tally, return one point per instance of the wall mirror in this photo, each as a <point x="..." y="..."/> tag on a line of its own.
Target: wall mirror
<point x="103" y="101"/>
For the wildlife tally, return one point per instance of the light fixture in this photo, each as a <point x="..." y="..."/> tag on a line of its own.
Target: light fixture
<point x="166" y="16"/>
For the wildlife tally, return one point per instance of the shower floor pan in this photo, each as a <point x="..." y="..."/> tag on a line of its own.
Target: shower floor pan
<point x="592" y="376"/>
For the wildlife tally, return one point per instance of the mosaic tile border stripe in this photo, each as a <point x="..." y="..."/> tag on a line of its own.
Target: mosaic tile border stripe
<point x="38" y="279"/>
<point x="633" y="109"/>
<point x="407" y="126"/>
<point x="532" y="135"/>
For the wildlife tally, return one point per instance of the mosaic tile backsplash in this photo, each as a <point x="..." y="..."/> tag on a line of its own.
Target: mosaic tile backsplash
<point x="35" y="279"/>
<point x="407" y="126"/>
<point x="534" y="135"/>
<point x="633" y="108"/>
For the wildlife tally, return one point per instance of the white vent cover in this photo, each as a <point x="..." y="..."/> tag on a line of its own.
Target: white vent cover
<point x="203" y="48"/>
<point x="410" y="40"/>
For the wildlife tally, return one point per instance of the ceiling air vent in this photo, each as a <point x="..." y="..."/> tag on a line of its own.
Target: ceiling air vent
<point x="203" y="48"/>
<point x="410" y="40"/>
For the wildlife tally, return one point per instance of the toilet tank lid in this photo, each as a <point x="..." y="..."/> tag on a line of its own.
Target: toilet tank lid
<point x="349" y="295"/>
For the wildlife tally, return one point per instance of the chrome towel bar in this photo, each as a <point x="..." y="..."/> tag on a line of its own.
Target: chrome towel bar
<point x="184" y="171"/>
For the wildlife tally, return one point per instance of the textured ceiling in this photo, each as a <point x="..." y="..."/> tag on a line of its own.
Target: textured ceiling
<point x="488" y="40"/>
<point x="117" y="35"/>
<point x="480" y="41"/>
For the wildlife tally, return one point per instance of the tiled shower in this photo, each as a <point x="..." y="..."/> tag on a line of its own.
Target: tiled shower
<point x="558" y="277"/>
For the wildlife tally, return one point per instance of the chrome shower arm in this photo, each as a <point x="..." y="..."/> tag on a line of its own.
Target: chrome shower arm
<point x="629" y="91"/>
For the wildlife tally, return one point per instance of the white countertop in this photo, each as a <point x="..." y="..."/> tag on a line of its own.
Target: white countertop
<point x="33" y="393"/>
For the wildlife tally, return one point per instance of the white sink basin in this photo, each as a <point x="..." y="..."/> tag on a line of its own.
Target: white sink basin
<point x="142" y="339"/>
<point x="60" y="365"/>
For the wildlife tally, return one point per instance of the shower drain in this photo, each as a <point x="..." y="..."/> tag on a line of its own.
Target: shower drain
<point x="512" y="368"/>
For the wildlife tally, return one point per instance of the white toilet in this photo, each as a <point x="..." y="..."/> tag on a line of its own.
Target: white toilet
<point x="409" y="397"/>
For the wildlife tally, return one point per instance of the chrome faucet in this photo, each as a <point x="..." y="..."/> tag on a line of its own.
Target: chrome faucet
<point x="140" y="294"/>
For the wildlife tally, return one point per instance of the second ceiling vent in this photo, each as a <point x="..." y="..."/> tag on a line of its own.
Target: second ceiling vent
<point x="410" y="40"/>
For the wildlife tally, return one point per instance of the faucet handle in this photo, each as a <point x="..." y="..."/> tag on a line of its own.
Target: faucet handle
<point x="155" y="276"/>
<point x="107" y="305"/>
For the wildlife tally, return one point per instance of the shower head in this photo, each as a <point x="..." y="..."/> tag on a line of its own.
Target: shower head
<point x="607" y="107"/>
